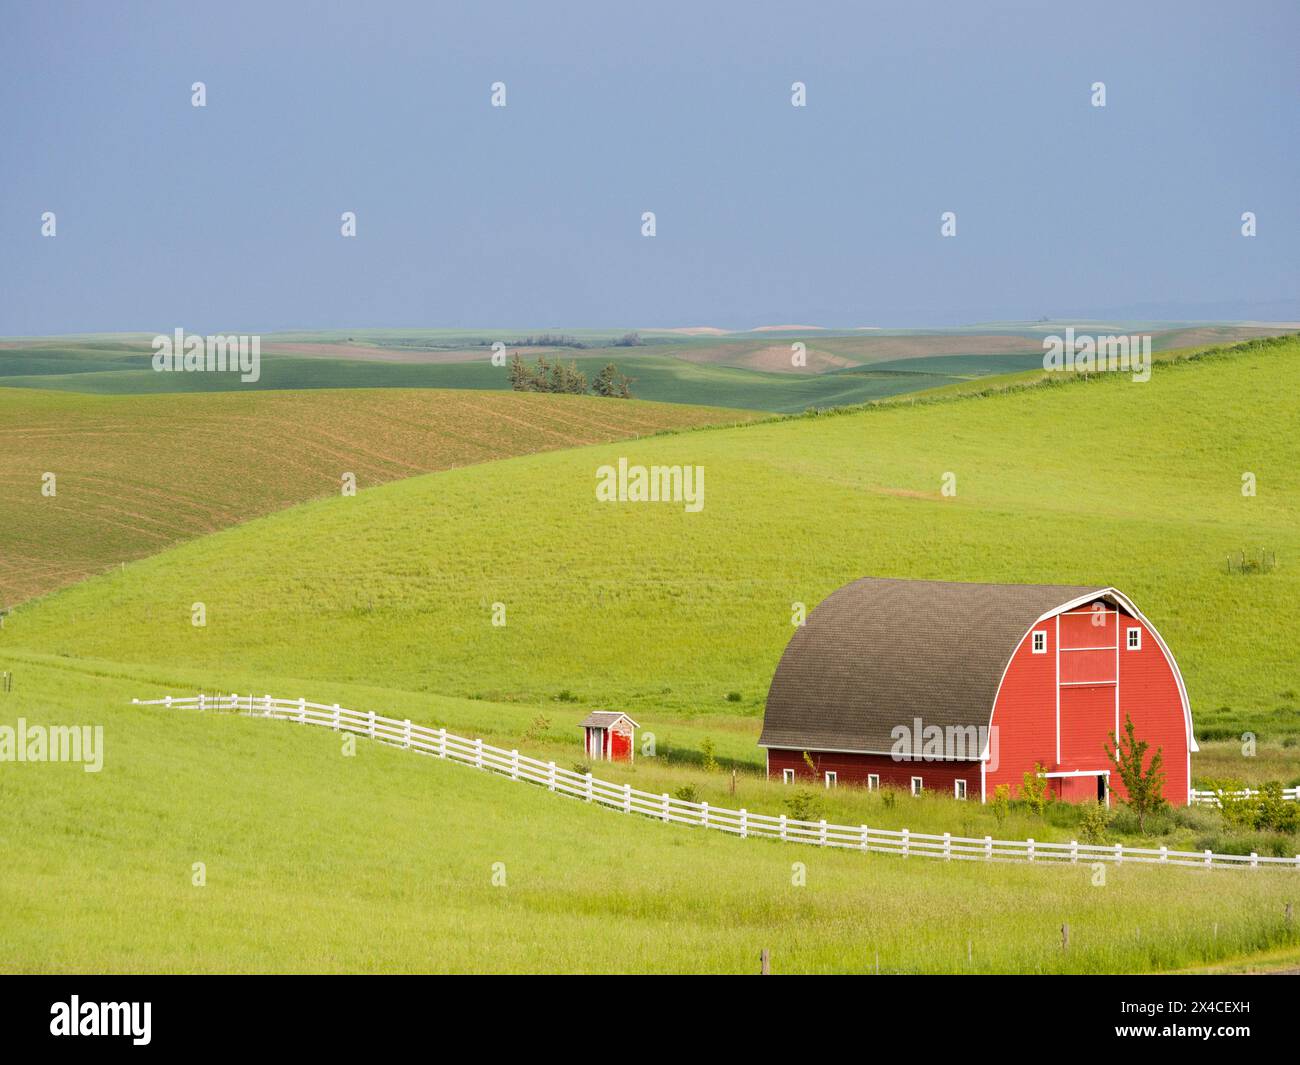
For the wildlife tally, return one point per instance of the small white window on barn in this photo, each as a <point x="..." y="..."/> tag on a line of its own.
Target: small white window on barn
<point x="916" y="785"/>
<point x="787" y="776"/>
<point x="873" y="781"/>
<point x="832" y="778"/>
<point x="1040" y="642"/>
<point x="1135" y="639"/>
<point x="959" y="789"/>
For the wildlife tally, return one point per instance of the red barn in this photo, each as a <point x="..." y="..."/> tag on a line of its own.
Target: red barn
<point x="957" y="688"/>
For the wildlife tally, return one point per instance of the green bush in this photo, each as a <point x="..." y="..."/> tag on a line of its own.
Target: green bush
<point x="804" y="805"/>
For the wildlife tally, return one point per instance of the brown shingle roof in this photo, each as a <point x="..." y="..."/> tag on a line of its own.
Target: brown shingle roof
<point x="881" y="652"/>
<point x="603" y="719"/>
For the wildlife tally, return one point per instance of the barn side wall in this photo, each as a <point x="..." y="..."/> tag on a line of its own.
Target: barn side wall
<point x="853" y="769"/>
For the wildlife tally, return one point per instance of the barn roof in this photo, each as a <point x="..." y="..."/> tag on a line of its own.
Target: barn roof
<point x="882" y="652"/>
<point x="604" y="718"/>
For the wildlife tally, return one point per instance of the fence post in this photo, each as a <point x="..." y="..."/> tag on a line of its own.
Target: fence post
<point x="302" y="709"/>
<point x="866" y="839"/>
<point x="821" y="839"/>
<point x="744" y="824"/>
<point x="169" y="702"/>
<point x="550" y="776"/>
<point x="202" y="701"/>
<point x="1119" y="853"/>
<point x="783" y="828"/>
<point x="514" y="765"/>
<point x="947" y="846"/>
<point x="704" y="814"/>
<point x="406" y="740"/>
<point x="627" y="798"/>
<point x="906" y="842"/>
<point x="988" y="848"/>
<point x="589" y="785"/>
<point x="665" y="802"/>
<point x="338" y="713"/>
<point x="442" y="752"/>
<point x="1254" y="860"/>
<point x="1074" y="850"/>
<point x="371" y="722"/>
<point x="1031" y="848"/>
<point x="478" y="754"/>
<point x="1164" y="853"/>
<point x="1209" y="857"/>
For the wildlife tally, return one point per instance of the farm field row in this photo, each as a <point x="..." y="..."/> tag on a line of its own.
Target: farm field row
<point x="135" y="474"/>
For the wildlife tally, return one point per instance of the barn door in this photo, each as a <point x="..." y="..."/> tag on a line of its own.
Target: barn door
<point x="1087" y="686"/>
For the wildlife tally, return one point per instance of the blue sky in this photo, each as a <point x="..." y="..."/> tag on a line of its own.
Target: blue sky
<point x="227" y="217"/>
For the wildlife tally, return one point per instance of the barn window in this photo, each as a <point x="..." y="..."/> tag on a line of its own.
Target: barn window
<point x="1040" y="642"/>
<point x="959" y="789"/>
<point x="873" y="781"/>
<point x="916" y="785"/>
<point x="787" y="776"/>
<point x="1135" y="639"/>
<point x="832" y="778"/>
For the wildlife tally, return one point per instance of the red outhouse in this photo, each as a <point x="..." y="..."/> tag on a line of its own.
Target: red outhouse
<point x="955" y="687"/>
<point x="607" y="736"/>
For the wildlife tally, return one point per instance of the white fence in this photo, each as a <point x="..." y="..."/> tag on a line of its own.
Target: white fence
<point x="1210" y="798"/>
<point x="442" y="744"/>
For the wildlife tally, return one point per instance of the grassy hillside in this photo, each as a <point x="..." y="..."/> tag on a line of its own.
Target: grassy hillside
<point x="384" y="861"/>
<point x="647" y="606"/>
<point x="135" y="474"/>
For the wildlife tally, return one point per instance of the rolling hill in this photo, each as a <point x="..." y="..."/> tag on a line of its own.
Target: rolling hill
<point x="135" y="474"/>
<point x="1099" y="480"/>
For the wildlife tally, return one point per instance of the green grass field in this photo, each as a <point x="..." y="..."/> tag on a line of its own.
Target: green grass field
<point x="385" y="601"/>
<point x="1103" y="481"/>
<point x="738" y="370"/>
<point x="384" y="861"/>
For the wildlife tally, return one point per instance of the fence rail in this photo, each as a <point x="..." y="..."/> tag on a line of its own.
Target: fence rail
<point x="440" y="743"/>
<point x="1211" y="798"/>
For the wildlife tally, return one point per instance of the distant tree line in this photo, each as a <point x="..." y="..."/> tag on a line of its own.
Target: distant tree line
<point x="564" y="340"/>
<point x="557" y="376"/>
